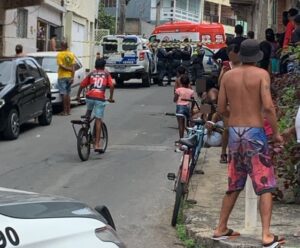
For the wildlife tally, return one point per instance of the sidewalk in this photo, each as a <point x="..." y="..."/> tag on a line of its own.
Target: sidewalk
<point x="208" y="190"/>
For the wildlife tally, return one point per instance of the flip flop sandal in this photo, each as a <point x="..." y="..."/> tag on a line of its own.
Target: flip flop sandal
<point x="276" y="243"/>
<point x="223" y="159"/>
<point x="230" y="233"/>
<point x="99" y="150"/>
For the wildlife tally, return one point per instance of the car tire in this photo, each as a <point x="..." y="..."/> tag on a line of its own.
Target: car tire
<point x="46" y="117"/>
<point x="12" y="129"/>
<point x="146" y="80"/>
<point x="119" y="82"/>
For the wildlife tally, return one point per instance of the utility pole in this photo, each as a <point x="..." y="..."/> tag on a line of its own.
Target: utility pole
<point x="159" y="4"/>
<point x="117" y="15"/>
<point x="122" y="19"/>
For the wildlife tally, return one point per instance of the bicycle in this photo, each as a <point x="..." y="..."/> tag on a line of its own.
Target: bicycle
<point x="191" y="150"/>
<point x="86" y="136"/>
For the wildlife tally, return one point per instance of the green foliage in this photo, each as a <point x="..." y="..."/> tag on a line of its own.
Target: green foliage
<point x="105" y="21"/>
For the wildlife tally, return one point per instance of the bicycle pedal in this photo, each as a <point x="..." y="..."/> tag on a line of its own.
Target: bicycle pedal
<point x="171" y="176"/>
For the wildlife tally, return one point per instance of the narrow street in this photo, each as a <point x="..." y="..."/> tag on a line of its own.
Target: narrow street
<point x="130" y="178"/>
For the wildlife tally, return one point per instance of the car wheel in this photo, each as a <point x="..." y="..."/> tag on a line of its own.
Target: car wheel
<point x="46" y="117"/>
<point x="146" y="80"/>
<point x="12" y="129"/>
<point x="156" y="80"/>
<point x="119" y="82"/>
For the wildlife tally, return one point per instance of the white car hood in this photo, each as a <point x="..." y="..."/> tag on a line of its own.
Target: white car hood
<point x="52" y="77"/>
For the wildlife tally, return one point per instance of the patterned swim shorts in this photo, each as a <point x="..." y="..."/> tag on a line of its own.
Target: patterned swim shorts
<point x="249" y="154"/>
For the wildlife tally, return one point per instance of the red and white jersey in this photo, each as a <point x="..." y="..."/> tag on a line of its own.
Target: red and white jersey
<point x="97" y="82"/>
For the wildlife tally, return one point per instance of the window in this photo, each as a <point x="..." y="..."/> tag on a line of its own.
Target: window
<point x="22" y="22"/>
<point x="274" y="12"/>
<point x="109" y="3"/>
<point x="112" y="47"/>
<point x="22" y="72"/>
<point x="33" y="69"/>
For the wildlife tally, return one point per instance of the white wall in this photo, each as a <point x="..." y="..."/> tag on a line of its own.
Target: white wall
<point x="29" y="43"/>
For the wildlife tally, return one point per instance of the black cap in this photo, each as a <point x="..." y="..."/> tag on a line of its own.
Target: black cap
<point x="250" y="51"/>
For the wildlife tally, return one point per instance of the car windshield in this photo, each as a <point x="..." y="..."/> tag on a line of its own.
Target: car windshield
<point x="48" y="63"/>
<point x="110" y="46"/>
<point x="5" y="72"/>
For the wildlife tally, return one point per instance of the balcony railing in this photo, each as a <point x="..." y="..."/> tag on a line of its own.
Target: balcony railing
<point x="211" y="18"/>
<point x="228" y="21"/>
<point x="242" y="2"/>
<point x="179" y="14"/>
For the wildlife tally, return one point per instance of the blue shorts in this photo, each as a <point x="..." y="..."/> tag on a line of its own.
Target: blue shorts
<point x="64" y="86"/>
<point x="183" y="110"/>
<point x="96" y="106"/>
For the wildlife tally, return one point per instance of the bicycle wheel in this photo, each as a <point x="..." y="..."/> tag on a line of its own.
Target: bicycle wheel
<point x="178" y="201"/>
<point x="83" y="144"/>
<point x="104" y="137"/>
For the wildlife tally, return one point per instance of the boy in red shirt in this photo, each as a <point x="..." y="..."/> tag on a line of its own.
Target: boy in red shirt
<point x="97" y="82"/>
<point x="292" y="13"/>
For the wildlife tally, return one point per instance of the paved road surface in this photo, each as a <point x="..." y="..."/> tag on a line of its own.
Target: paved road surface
<point x="130" y="178"/>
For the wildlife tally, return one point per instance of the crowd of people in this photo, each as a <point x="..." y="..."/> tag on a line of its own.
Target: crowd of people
<point x="244" y="90"/>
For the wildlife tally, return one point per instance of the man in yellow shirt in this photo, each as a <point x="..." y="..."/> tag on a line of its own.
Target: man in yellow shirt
<point x="65" y="62"/>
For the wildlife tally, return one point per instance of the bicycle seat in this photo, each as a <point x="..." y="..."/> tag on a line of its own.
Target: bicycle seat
<point x="198" y="122"/>
<point x="189" y="142"/>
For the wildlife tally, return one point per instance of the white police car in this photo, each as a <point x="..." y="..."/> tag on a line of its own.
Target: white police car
<point x="128" y="57"/>
<point x="41" y="221"/>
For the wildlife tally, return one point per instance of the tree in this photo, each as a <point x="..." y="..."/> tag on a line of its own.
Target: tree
<point x="105" y="21"/>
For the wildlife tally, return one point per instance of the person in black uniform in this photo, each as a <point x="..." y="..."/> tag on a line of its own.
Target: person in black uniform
<point x="197" y="68"/>
<point x="162" y="60"/>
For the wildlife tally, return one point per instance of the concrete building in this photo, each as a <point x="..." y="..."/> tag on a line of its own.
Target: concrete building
<point x="79" y="29"/>
<point x="155" y="12"/>
<point x="6" y="5"/>
<point x="262" y="14"/>
<point x="32" y="26"/>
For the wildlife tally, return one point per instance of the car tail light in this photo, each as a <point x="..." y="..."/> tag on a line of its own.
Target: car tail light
<point x="108" y="234"/>
<point x="142" y="56"/>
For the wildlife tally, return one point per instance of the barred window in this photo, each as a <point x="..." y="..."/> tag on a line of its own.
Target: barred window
<point x="22" y="22"/>
<point x="109" y="3"/>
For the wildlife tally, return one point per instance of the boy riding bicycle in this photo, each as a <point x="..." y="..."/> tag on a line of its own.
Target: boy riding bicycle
<point x="97" y="82"/>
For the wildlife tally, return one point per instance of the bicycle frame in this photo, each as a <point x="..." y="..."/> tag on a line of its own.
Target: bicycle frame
<point x="83" y="123"/>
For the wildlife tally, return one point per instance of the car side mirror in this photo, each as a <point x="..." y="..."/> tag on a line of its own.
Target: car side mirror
<point x="28" y="80"/>
<point x="103" y="210"/>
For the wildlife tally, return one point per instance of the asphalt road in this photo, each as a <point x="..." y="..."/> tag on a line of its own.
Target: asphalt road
<point x="130" y="178"/>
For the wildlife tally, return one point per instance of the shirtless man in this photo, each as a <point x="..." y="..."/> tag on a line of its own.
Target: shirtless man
<point x="245" y="91"/>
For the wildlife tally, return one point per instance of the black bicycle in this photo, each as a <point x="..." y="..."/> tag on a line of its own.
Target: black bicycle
<point x="86" y="136"/>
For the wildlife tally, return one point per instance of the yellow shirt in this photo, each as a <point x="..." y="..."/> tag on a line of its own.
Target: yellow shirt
<point x="65" y="58"/>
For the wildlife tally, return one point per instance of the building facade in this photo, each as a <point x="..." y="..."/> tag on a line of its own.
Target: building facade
<point x="32" y="26"/>
<point x="262" y="14"/>
<point x="79" y="29"/>
<point x="156" y="12"/>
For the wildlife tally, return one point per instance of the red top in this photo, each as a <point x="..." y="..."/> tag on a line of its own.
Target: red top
<point x="288" y="34"/>
<point x="98" y="81"/>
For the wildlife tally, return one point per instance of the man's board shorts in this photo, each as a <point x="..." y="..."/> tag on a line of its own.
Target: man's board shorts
<point x="97" y="107"/>
<point x="183" y="110"/>
<point x="249" y="154"/>
<point x="64" y="86"/>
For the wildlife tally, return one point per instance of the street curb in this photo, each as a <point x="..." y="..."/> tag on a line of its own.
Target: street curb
<point x="202" y="237"/>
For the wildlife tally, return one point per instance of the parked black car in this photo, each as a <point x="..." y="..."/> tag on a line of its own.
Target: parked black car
<point x="24" y="94"/>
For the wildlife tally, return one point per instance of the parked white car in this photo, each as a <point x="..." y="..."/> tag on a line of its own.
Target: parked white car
<point x="32" y="220"/>
<point x="47" y="60"/>
<point x="128" y="57"/>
